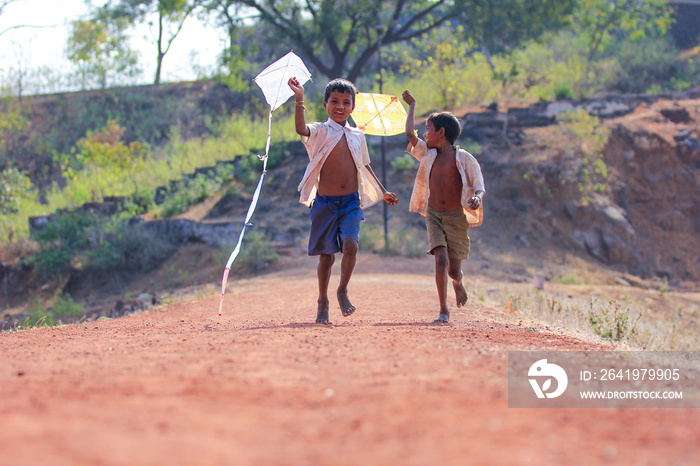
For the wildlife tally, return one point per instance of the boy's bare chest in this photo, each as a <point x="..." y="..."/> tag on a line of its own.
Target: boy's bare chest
<point x="340" y="156"/>
<point x="445" y="168"/>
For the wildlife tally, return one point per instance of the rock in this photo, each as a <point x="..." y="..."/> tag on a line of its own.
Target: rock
<point x="691" y="143"/>
<point x="591" y="242"/>
<point x="618" y="251"/>
<point x="675" y="221"/>
<point x="682" y="134"/>
<point x="622" y="281"/>
<point x="570" y="209"/>
<point x="614" y="214"/>
<point x="676" y="115"/>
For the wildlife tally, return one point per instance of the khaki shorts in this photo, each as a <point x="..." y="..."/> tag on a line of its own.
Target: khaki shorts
<point x="449" y="229"/>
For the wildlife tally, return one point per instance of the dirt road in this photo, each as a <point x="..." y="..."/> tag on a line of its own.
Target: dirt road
<point x="265" y="385"/>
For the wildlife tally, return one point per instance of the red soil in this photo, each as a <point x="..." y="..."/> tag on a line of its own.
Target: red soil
<point x="265" y="385"/>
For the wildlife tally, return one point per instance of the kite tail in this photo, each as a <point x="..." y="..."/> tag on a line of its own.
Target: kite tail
<point x="246" y="223"/>
<point x="223" y="289"/>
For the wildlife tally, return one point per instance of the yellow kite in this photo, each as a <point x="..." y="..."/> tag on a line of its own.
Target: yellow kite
<point x="379" y="114"/>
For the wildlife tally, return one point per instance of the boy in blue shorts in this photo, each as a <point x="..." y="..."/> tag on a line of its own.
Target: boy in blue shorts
<point x="448" y="184"/>
<point x="337" y="185"/>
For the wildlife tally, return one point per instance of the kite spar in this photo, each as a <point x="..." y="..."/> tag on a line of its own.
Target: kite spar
<point x="273" y="83"/>
<point x="379" y="114"/>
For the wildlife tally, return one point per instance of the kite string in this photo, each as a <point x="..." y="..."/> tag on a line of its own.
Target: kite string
<point x="251" y="209"/>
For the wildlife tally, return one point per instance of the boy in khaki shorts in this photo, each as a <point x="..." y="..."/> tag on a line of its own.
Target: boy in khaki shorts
<point x="448" y="183"/>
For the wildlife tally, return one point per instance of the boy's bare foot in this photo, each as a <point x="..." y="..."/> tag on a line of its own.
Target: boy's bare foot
<point x="444" y="317"/>
<point x="460" y="293"/>
<point x="322" y="315"/>
<point x="346" y="306"/>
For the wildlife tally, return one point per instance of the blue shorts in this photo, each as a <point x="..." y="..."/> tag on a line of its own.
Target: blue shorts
<point x="334" y="219"/>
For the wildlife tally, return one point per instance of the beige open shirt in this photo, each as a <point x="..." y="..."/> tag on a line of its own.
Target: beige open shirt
<point x="469" y="170"/>
<point x="323" y="138"/>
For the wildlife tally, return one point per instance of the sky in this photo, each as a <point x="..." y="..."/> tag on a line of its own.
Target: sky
<point x="196" y="47"/>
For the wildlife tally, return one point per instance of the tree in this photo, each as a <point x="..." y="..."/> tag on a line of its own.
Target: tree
<point x="339" y="37"/>
<point x="171" y="16"/>
<point x="99" y="48"/>
<point x="228" y="16"/>
<point x="15" y="187"/>
<point x="104" y="149"/>
<point x="3" y="4"/>
<point x="501" y="25"/>
<point x="596" y="19"/>
<point x="13" y="124"/>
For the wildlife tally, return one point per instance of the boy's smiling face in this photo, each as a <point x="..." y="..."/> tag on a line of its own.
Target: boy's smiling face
<point x="432" y="138"/>
<point x="339" y="106"/>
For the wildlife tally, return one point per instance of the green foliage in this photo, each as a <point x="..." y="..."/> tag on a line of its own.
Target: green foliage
<point x="651" y="63"/>
<point x="256" y="253"/>
<point x="506" y="25"/>
<point x="563" y="92"/>
<point x="82" y="241"/>
<point x="347" y="30"/>
<point x="404" y="162"/>
<point x="132" y="248"/>
<point x="582" y="160"/>
<point x="197" y="190"/>
<point x="444" y="59"/>
<point x="141" y="201"/>
<point x="549" y="67"/>
<point x="470" y="146"/>
<point x="104" y="150"/>
<point x="611" y="322"/>
<point x="13" y="122"/>
<point x="569" y="279"/>
<point x="579" y="163"/>
<point x="61" y="241"/>
<point x="171" y="16"/>
<point x="15" y="186"/>
<point x="408" y="242"/>
<point x="597" y="20"/>
<point x="66" y="308"/>
<point x="99" y="48"/>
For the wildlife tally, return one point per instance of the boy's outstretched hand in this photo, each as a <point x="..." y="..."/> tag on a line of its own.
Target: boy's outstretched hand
<point x="390" y="198"/>
<point x="408" y="98"/>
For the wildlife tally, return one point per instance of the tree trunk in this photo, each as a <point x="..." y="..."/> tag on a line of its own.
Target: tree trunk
<point x="159" y="64"/>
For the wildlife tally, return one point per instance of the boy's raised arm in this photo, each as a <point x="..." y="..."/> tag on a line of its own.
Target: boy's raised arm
<point x="410" y="118"/>
<point x="299" y="118"/>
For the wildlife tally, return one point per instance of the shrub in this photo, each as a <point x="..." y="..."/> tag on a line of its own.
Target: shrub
<point x="61" y="240"/>
<point x="140" y="201"/>
<point x="256" y="253"/>
<point x="579" y="162"/>
<point x="610" y="322"/>
<point x="405" y="162"/>
<point x="640" y="65"/>
<point x="66" y="308"/>
<point x="129" y="247"/>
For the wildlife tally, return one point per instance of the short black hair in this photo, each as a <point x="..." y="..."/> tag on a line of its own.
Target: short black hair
<point x="340" y="85"/>
<point x="448" y="121"/>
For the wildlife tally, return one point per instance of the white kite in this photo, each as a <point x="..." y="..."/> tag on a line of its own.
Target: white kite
<point x="273" y="82"/>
